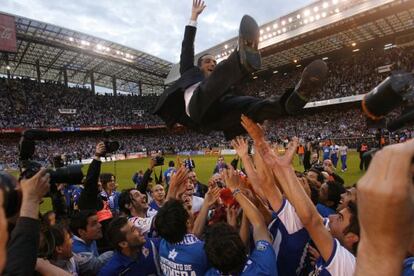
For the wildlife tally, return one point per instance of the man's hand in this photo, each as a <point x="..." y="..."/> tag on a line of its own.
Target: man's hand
<point x="33" y="190"/>
<point x="178" y="183"/>
<point x="241" y="146"/>
<point x="385" y="197"/>
<point x="253" y="129"/>
<point x="231" y="178"/>
<point x="198" y="7"/>
<point x="274" y="160"/>
<point x="212" y="196"/>
<point x="100" y="150"/>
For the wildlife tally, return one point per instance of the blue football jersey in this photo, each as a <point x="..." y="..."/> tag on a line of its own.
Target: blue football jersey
<point x="145" y="264"/>
<point x="290" y="240"/>
<point x="260" y="262"/>
<point x="340" y="263"/>
<point x="183" y="258"/>
<point x="326" y="152"/>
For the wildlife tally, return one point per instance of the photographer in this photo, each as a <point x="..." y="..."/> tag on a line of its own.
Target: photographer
<point x="89" y="199"/>
<point x="24" y="239"/>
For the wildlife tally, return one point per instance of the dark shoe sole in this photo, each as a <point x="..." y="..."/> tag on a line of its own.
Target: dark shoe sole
<point x="249" y="34"/>
<point x="313" y="78"/>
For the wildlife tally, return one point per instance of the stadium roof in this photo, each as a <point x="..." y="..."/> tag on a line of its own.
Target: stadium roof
<point x="324" y="27"/>
<point x="55" y="48"/>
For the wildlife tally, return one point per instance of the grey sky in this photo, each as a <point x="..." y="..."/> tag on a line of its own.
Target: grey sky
<point x="152" y="26"/>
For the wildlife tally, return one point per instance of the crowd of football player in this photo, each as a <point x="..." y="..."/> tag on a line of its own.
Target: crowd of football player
<point x="255" y="216"/>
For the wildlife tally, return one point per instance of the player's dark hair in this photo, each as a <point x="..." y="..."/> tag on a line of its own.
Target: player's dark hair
<point x="171" y="221"/>
<point x="80" y="220"/>
<point x="125" y="198"/>
<point x="353" y="226"/>
<point x="105" y="178"/>
<point x="115" y="231"/>
<point x="224" y="248"/>
<point x="320" y="176"/>
<point x="335" y="190"/>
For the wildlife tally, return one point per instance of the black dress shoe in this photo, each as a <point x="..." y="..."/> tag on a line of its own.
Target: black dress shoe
<point x="249" y="34"/>
<point x="313" y="78"/>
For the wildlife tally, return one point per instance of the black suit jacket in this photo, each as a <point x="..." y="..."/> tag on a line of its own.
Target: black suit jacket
<point x="171" y="105"/>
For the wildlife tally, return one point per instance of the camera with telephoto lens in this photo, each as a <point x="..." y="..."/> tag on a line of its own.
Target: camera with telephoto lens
<point x="396" y="90"/>
<point x="28" y="168"/>
<point x="111" y="146"/>
<point x="159" y="160"/>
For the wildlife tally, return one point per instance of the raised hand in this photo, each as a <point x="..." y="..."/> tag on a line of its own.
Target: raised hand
<point x="198" y="7"/>
<point x="178" y="183"/>
<point x="385" y="197"/>
<point x="231" y="178"/>
<point x="253" y="129"/>
<point x="212" y="196"/>
<point x="100" y="149"/>
<point x="241" y="146"/>
<point x="272" y="159"/>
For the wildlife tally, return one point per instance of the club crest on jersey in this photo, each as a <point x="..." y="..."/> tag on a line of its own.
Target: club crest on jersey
<point x="261" y="246"/>
<point x="145" y="251"/>
<point x="172" y="254"/>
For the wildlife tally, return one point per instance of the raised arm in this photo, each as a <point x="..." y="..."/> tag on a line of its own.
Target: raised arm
<point x="210" y="198"/>
<point x="89" y="196"/>
<point x="187" y="47"/>
<point x="241" y="147"/>
<point x="386" y="203"/>
<point x="283" y="170"/>
<point x="260" y="231"/>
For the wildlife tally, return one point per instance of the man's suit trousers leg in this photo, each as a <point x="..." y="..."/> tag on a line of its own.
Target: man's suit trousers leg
<point x="226" y="74"/>
<point x="230" y="108"/>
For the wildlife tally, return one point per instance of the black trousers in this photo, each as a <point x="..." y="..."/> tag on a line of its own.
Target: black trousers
<point x="215" y="106"/>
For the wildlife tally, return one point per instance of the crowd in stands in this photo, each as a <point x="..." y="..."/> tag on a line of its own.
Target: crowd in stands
<point x="350" y="75"/>
<point x="255" y="216"/>
<point x="24" y="103"/>
<point x="337" y="123"/>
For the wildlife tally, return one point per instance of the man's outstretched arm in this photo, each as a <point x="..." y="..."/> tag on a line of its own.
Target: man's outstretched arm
<point x="187" y="47"/>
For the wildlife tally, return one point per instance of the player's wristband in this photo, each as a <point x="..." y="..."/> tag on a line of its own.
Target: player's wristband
<point x="236" y="192"/>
